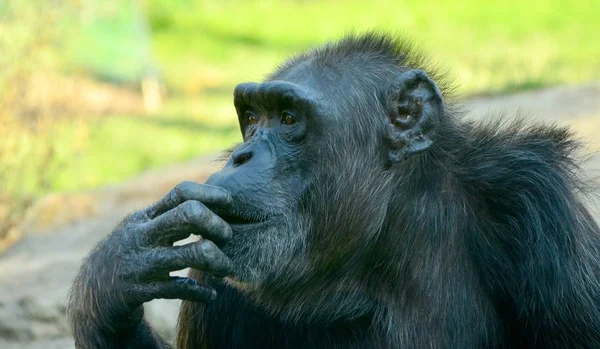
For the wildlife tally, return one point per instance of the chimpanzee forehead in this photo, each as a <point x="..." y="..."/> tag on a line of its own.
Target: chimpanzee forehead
<point x="351" y="73"/>
<point x="301" y="73"/>
<point x="323" y="87"/>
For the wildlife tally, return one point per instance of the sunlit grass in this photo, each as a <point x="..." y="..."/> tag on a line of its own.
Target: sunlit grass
<point x="487" y="46"/>
<point x="121" y="146"/>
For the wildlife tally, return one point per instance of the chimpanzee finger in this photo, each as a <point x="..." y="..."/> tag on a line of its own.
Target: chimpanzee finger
<point x="174" y="288"/>
<point x="184" y="191"/>
<point x="202" y="255"/>
<point x="191" y="217"/>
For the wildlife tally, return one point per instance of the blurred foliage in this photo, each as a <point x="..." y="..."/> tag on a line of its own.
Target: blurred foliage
<point x="488" y="46"/>
<point x="31" y="145"/>
<point x="71" y="115"/>
<point x="114" y="41"/>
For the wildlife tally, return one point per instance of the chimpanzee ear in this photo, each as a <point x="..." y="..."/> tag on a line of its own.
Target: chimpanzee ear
<point x="415" y="107"/>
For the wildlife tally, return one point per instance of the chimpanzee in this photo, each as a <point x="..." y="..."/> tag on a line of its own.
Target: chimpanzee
<point x="361" y="211"/>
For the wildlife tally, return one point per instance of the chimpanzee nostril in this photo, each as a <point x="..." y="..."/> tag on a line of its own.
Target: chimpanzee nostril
<point x="241" y="158"/>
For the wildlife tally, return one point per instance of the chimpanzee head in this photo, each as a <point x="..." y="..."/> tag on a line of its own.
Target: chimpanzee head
<point x="327" y="138"/>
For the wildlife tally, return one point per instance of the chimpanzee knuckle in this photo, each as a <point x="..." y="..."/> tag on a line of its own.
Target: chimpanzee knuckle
<point x="202" y="217"/>
<point x="228" y="234"/>
<point x="182" y="186"/>
<point x="185" y="188"/>
<point x="174" y="196"/>
<point x="226" y="231"/>
<point x="129" y="268"/>
<point x="133" y="237"/>
<point x="218" y="226"/>
<point x="207" y="251"/>
<point x="192" y="211"/>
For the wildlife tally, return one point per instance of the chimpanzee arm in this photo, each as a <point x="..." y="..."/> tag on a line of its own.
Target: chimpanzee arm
<point x="131" y="266"/>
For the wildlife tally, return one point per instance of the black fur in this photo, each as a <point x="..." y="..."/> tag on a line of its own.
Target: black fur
<point x="485" y="241"/>
<point x="481" y="239"/>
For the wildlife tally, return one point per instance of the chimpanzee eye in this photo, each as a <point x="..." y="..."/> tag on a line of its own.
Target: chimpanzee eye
<point x="250" y="118"/>
<point x="287" y="118"/>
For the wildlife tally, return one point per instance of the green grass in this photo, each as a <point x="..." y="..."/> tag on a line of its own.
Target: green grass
<point x="122" y="146"/>
<point x="203" y="48"/>
<point x="487" y="46"/>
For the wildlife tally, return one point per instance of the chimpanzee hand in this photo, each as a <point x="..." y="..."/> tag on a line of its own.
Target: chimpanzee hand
<point x="131" y="266"/>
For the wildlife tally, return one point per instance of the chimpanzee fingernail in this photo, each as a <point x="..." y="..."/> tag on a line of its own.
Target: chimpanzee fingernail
<point x="224" y="194"/>
<point x="217" y="195"/>
<point x="228" y="197"/>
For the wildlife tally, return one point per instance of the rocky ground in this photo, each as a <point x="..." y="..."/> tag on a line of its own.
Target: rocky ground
<point x="35" y="273"/>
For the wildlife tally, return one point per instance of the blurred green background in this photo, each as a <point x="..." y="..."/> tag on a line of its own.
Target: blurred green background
<point x="95" y="91"/>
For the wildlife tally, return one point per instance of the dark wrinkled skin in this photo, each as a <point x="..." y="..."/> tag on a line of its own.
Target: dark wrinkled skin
<point x="360" y="211"/>
<point x="132" y="265"/>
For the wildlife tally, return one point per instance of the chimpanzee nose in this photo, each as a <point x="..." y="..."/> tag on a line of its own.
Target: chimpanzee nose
<point x="241" y="157"/>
